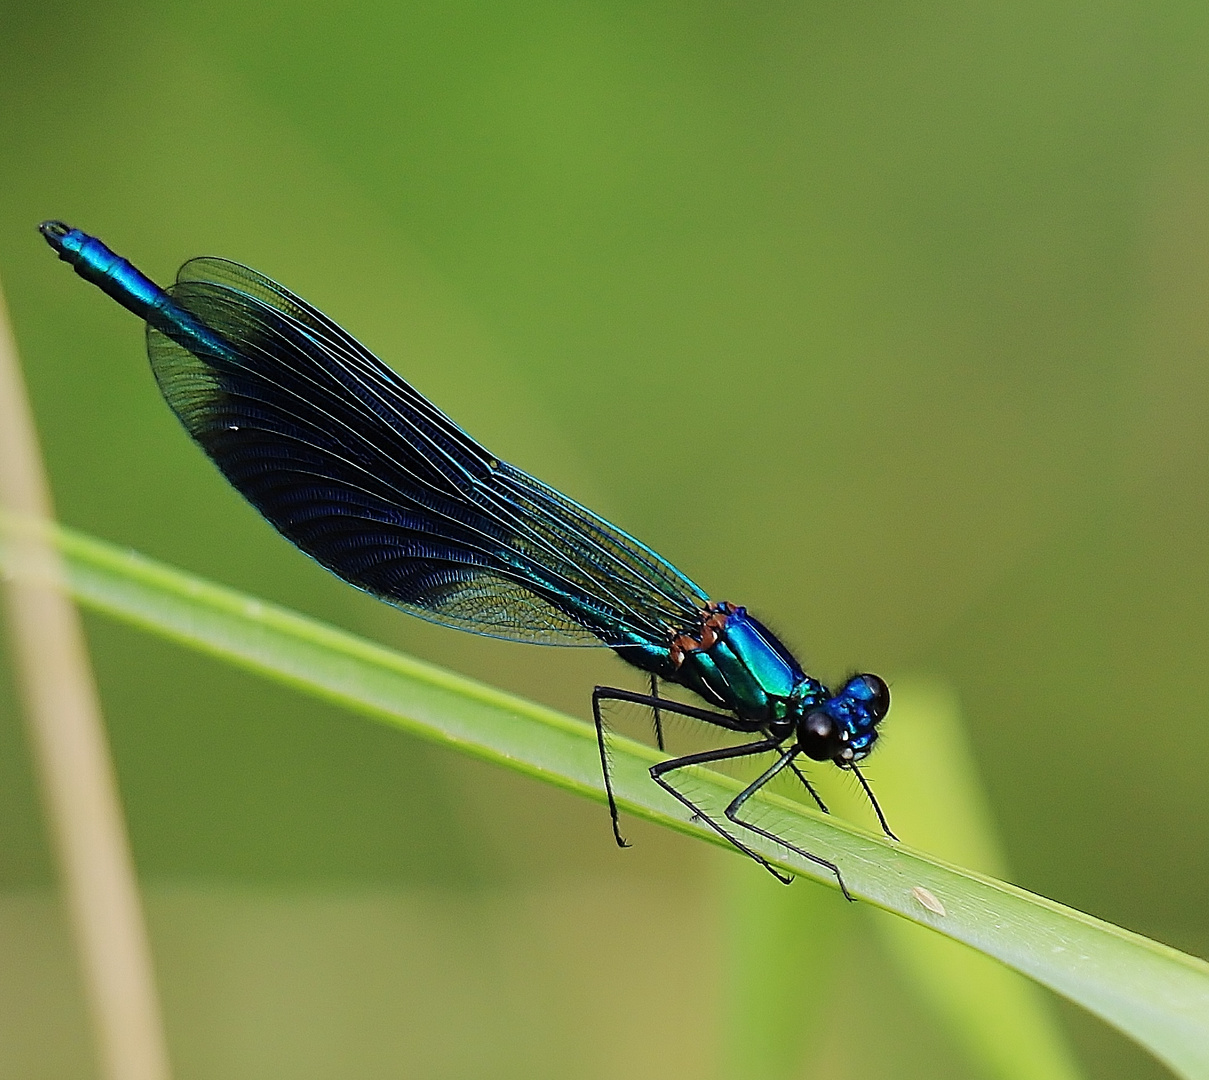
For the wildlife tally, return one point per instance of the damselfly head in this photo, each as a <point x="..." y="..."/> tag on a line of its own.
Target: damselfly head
<point x="843" y="728"/>
<point x="820" y="736"/>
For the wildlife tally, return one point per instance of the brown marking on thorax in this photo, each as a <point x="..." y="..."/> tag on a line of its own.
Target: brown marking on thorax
<point x="713" y="621"/>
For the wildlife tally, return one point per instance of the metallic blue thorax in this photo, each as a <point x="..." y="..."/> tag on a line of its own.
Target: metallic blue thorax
<point x="746" y="671"/>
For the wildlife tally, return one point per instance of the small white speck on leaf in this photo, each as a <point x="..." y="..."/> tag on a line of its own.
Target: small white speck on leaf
<point x="928" y="900"/>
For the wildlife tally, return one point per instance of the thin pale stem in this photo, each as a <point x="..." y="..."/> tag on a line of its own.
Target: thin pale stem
<point x="67" y="737"/>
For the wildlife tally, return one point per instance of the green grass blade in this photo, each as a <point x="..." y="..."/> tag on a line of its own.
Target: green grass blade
<point x="1155" y="994"/>
<point x="926" y="772"/>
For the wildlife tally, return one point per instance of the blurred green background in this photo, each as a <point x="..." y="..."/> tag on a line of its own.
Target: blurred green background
<point x="887" y="320"/>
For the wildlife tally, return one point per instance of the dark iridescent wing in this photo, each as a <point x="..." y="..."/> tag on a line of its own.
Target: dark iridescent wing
<point x="367" y="476"/>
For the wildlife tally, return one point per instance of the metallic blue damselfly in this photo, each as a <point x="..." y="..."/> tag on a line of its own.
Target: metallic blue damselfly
<point x="369" y="478"/>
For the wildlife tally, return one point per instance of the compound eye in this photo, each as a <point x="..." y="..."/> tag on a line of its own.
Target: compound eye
<point x="819" y="736"/>
<point x="876" y="695"/>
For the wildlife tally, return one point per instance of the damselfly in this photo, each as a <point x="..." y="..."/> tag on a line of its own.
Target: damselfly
<point x="369" y="478"/>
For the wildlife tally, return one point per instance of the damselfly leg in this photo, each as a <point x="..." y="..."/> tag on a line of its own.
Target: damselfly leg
<point x="707" y="757"/>
<point x="659" y="773"/>
<point x="658" y="705"/>
<point x="808" y="786"/>
<point x="732" y="814"/>
<point x="657" y="717"/>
